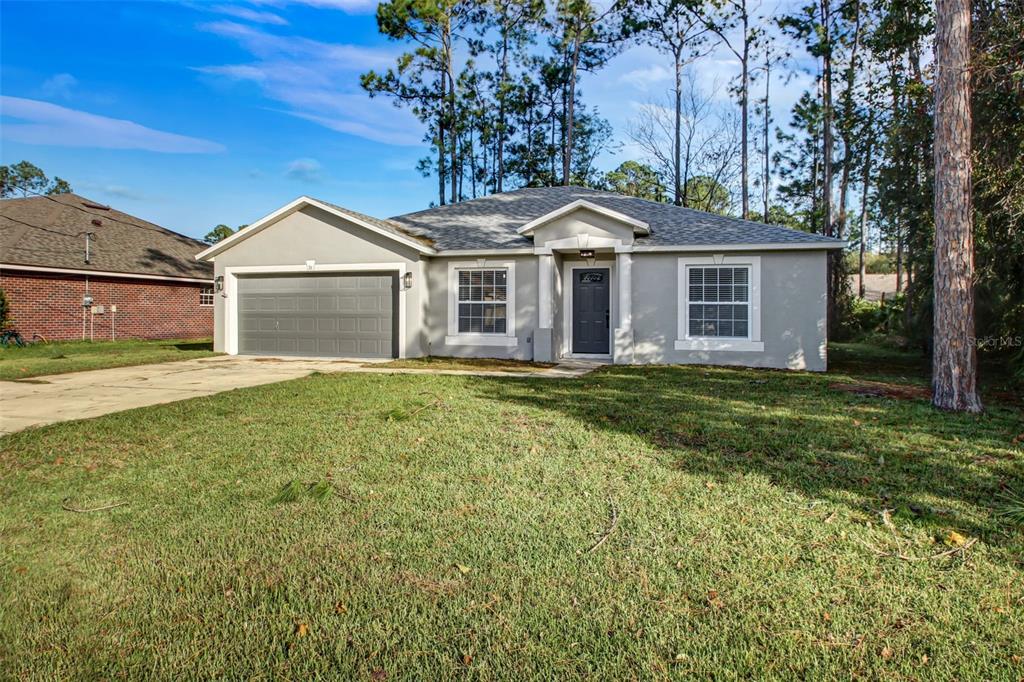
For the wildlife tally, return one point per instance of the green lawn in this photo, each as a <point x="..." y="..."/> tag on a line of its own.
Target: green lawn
<point x="439" y="362"/>
<point x="456" y="537"/>
<point x="40" y="359"/>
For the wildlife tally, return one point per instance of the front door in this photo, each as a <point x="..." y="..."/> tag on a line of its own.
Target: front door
<point x="590" y="310"/>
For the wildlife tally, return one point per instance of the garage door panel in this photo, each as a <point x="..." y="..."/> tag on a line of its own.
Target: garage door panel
<point x="317" y="315"/>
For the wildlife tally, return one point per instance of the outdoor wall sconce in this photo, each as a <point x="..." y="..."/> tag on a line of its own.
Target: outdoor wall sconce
<point x="587" y="255"/>
<point x="218" y="282"/>
<point x="407" y="280"/>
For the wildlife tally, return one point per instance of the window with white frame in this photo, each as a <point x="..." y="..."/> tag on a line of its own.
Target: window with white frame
<point x="206" y="296"/>
<point x="482" y="301"/>
<point x="718" y="301"/>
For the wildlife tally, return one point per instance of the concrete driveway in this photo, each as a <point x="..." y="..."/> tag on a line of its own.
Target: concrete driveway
<point x="81" y="395"/>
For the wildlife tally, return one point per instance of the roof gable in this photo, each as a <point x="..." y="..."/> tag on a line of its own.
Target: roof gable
<point x="640" y="227"/>
<point x="381" y="227"/>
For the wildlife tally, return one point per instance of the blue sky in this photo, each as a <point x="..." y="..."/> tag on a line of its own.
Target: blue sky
<point x="193" y="114"/>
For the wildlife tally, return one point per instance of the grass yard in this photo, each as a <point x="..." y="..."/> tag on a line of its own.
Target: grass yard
<point x="635" y="523"/>
<point x="40" y="359"/>
<point x="466" y="364"/>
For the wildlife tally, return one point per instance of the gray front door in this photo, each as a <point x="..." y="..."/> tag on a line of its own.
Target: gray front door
<point x="590" y="310"/>
<point x="349" y="315"/>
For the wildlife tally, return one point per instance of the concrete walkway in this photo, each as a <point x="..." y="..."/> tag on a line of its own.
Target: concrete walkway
<point x="81" y="395"/>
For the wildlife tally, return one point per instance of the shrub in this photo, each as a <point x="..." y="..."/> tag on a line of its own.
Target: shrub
<point x="5" y="310"/>
<point x="874" y="317"/>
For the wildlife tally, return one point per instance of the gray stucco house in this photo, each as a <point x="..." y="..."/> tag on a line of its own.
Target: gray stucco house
<point x="534" y="274"/>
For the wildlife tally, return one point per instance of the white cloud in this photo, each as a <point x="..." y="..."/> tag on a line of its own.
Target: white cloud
<point x="305" y="170"/>
<point x="318" y="82"/>
<point x="49" y="124"/>
<point x="58" y="86"/>
<point x="644" y="77"/>
<point x="348" y="6"/>
<point x="249" y="14"/>
<point x="113" y="190"/>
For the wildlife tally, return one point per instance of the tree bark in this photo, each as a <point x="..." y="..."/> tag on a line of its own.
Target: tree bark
<point x="454" y="151"/>
<point x="766" y="189"/>
<point x="826" y="157"/>
<point x="502" y="95"/>
<point x="677" y="148"/>
<point x="847" y="128"/>
<point x="866" y="185"/>
<point x="745" y="115"/>
<point x="954" y="360"/>
<point x="899" y="259"/>
<point x="570" y="113"/>
<point x="442" y="173"/>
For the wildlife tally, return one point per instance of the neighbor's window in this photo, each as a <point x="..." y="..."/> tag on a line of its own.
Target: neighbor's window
<point x="719" y="301"/>
<point x="206" y="296"/>
<point x="482" y="296"/>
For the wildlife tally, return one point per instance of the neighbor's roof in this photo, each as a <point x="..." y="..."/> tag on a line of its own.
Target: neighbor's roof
<point x="50" y="232"/>
<point x="492" y="222"/>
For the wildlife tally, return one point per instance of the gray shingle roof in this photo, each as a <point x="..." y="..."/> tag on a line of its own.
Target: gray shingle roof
<point x="491" y="222"/>
<point x="50" y="232"/>
<point x="386" y="225"/>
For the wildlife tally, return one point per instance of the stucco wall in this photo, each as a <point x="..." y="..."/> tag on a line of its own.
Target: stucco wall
<point x="583" y="221"/>
<point x="312" y="234"/>
<point x="525" y="310"/>
<point x="793" y="304"/>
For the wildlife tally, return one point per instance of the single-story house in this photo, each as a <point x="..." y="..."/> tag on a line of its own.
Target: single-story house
<point x="534" y="274"/>
<point x="72" y="268"/>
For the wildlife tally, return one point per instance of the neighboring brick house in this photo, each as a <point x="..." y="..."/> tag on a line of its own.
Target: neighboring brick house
<point x="73" y="268"/>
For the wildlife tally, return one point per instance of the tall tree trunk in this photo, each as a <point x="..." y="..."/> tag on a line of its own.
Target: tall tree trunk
<point x="954" y="360"/>
<point x="570" y="113"/>
<point x="503" y="94"/>
<point x="866" y="184"/>
<point x="844" y="186"/>
<point x="899" y="260"/>
<point x="452" y="122"/>
<point x="472" y="163"/>
<point x="826" y="101"/>
<point x="677" y="151"/>
<point x="826" y="154"/>
<point x="554" y="146"/>
<point x="847" y="132"/>
<point x="745" y="116"/>
<point x="766" y="190"/>
<point x="442" y="172"/>
<point x="815" y="172"/>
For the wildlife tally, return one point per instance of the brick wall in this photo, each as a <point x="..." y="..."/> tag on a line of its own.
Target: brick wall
<point x="51" y="305"/>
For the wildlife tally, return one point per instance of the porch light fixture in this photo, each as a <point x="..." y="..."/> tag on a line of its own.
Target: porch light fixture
<point x="407" y="280"/>
<point x="587" y="255"/>
<point x="218" y="282"/>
